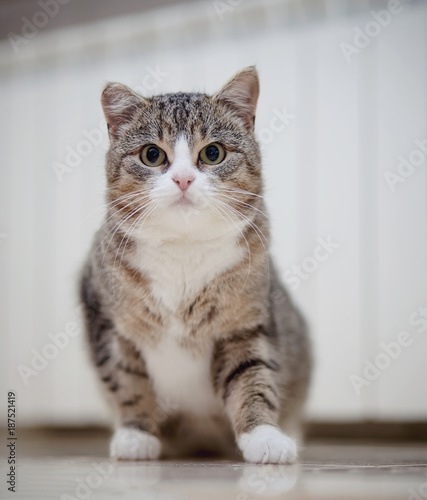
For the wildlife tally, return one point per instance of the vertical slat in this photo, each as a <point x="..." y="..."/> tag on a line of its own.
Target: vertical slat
<point x="23" y="331"/>
<point x="403" y="216"/>
<point x="70" y="76"/>
<point x="335" y="265"/>
<point x="369" y="219"/>
<point x="44" y="236"/>
<point x="306" y="136"/>
<point x="6" y="151"/>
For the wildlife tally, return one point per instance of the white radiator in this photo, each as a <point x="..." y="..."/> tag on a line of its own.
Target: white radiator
<point x="335" y="123"/>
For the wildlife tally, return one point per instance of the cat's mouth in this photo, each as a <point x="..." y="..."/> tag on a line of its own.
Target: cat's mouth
<point x="184" y="201"/>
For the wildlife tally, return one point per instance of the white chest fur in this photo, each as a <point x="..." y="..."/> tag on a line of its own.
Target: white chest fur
<point x="180" y="270"/>
<point x="181" y="378"/>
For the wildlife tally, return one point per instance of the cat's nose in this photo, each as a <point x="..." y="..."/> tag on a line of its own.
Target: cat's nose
<point x="183" y="180"/>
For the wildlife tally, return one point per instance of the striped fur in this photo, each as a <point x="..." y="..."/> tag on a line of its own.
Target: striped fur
<point x="191" y="332"/>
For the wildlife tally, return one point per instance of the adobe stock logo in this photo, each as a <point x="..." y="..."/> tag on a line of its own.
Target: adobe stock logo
<point x="75" y="153"/>
<point x="50" y="350"/>
<point x="301" y="272"/>
<point x="222" y="7"/>
<point x="418" y="494"/>
<point x="364" y="36"/>
<point x="89" y="484"/>
<point x="280" y="120"/>
<point x="30" y="27"/>
<point x="389" y="352"/>
<point x="407" y="165"/>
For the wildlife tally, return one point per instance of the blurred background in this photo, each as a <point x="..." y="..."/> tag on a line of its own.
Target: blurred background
<point x="342" y="126"/>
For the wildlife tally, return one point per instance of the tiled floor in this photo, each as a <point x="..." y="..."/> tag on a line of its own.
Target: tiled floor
<point x="69" y="466"/>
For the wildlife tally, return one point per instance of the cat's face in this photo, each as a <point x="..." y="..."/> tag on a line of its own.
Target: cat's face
<point x="186" y="163"/>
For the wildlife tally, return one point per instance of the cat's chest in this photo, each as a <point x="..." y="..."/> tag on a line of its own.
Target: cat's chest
<point x="179" y="271"/>
<point x="181" y="377"/>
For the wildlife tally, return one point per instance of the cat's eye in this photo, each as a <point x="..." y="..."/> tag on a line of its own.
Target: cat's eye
<point x="152" y="155"/>
<point x="212" y="154"/>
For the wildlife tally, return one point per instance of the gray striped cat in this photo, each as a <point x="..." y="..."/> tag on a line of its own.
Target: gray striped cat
<point x="197" y="344"/>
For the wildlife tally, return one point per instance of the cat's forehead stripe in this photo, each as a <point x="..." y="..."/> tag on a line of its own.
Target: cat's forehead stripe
<point x="181" y="149"/>
<point x="180" y="111"/>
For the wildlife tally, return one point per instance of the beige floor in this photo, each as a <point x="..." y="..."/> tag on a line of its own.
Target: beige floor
<point x="67" y="466"/>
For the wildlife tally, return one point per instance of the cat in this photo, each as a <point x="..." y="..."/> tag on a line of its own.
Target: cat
<point x="196" y="342"/>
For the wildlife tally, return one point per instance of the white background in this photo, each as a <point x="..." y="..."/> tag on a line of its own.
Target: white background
<point x="324" y="174"/>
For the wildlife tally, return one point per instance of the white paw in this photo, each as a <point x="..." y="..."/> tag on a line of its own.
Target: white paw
<point x="266" y="444"/>
<point x="132" y="444"/>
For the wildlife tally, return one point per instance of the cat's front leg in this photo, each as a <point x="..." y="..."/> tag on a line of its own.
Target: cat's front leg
<point x="246" y="375"/>
<point x="137" y="435"/>
<point x="125" y="379"/>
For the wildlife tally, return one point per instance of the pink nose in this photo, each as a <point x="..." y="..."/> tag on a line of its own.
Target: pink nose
<point x="183" y="180"/>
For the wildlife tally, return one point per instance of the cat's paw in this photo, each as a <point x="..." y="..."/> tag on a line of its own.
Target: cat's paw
<point x="267" y="444"/>
<point x="132" y="444"/>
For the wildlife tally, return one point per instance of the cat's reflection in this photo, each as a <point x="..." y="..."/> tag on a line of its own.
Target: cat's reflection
<point x="130" y="475"/>
<point x="250" y="481"/>
<point x="266" y="480"/>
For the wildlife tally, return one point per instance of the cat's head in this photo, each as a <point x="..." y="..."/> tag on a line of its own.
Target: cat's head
<point x="184" y="163"/>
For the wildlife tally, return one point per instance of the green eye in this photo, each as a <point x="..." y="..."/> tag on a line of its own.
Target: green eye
<point x="212" y="154"/>
<point x="152" y="155"/>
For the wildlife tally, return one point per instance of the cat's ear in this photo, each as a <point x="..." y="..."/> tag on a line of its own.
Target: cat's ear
<point x="119" y="103"/>
<point x="241" y="94"/>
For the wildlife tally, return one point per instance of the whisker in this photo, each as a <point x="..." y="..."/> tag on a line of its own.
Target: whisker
<point x="243" y="236"/>
<point x="139" y="209"/>
<point x="254" y="226"/>
<point x="117" y="227"/>
<point x="243" y="203"/>
<point x="245" y="217"/>
<point x="130" y="231"/>
<point x="241" y="191"/>
<point x="144" y="215"/>
<point x="107" y="220"/>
